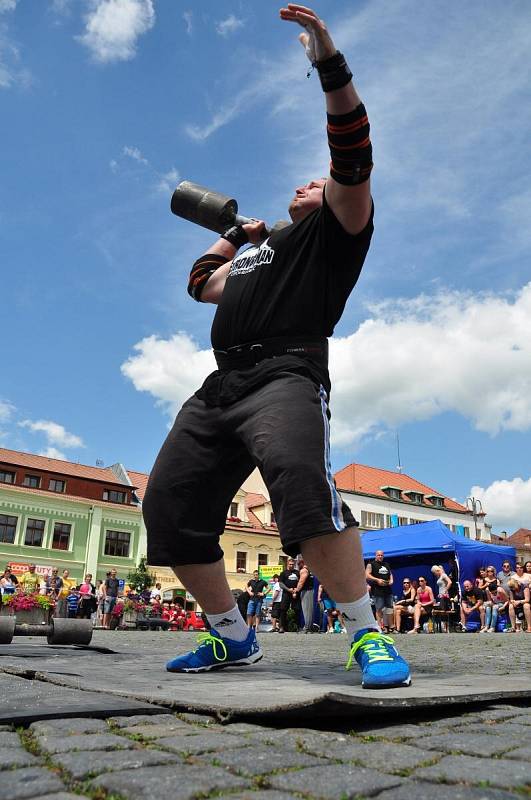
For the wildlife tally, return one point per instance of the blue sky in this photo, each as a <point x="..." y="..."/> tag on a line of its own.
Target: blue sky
<point x="108" y="104"/>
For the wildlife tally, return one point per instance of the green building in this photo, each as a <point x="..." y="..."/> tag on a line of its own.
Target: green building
<point x="55" y="513"/>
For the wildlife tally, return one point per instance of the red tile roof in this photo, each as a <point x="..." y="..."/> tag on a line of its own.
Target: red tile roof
<point x="58" y="466"/>
<point x="139" y="480"/>
<point x="520" y="538"/>
<point x="361" y="479"/>
<point x="252" y="499"/>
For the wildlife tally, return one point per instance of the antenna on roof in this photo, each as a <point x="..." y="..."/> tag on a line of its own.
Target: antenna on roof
<point x="399" y="466"/>
<point x="100" y="462"/>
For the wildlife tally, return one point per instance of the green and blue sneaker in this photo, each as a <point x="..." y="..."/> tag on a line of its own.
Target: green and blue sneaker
<point x="381" y="666"/>
<point x="214" y="652"/>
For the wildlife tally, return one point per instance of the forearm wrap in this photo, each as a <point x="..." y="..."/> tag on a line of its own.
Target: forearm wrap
<point x="202" y="269"/>
<point x="350" y="146"/>
<point x="236" y="236"/>
<point x="334" y="72"/>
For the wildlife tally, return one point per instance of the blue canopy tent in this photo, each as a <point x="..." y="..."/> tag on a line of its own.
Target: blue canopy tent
<point x="412" y="550"/>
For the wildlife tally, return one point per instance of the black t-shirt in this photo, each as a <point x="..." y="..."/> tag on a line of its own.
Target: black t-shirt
<point x="111" y="585"/>
<point x="295" y="283"/>
<point x="257" y="586"/>
<point x="380" y="569"/>
<point x="290" y="578"/>
<point x="308" y="583"/>
<point x="473" y="596"/>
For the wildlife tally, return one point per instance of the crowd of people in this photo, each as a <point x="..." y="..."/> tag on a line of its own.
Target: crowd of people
<point x="494" y="601"/>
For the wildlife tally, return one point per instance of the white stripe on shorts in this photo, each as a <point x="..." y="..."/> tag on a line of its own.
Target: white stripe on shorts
<point x="337" y="514"/>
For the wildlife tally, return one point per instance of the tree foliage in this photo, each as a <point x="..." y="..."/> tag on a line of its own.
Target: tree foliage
<point x="141" y="578"/>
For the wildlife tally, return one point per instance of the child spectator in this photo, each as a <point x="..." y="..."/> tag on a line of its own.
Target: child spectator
<point x="72" y="603"/>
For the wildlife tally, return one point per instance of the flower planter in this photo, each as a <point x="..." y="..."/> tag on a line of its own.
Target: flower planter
<point x="129" y="619"/>
<point x="33" y="616"/>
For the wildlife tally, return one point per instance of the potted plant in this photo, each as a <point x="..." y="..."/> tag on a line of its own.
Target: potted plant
<point x="31" y="609"/>
<point x="131" y="610"/>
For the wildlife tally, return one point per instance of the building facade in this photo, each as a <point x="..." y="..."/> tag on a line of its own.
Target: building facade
<point x="381" y="498"/>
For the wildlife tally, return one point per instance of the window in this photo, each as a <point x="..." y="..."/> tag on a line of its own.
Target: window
<point x="7" y="477"/>
<point x="393" y="492"/>
<point x="467" y="531"/>
<point x="273" y="520"/>
<point x="112" y="496"/>
<point x="241" y="562"/>
<point x="399" y="520"/>
<point x="34" y="532"/>
<point x="33" y="481"/>
<point x="415" y="521"/>
<point x="262" y="559"/>
<point x="61" y="536"/>
<point x="370" y="519"/>
<point x="8" y="527"/>
<point x="117" y="543"/>
<point x="415" y="497"/>
<point x="57" y="485"/>
<point x="402" y="520"/>
<point x="233" y="510"/>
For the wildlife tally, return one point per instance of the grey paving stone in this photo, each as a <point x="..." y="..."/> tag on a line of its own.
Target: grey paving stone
<point x="6" y="728"/>
<point x="497" y="713"/>
<point x="405" y="731"/>
<point x="154" y="731"/>
<point x="200" y="719"/>
<point x="470" y="743"/>
<point x="63" y="796"/>
<point x="387" y="757"/>
<point x="520" y="754"/>
<point x="337" y="780"/>
<point x="521" y="719"/>
<point x="30" y="782"/>
<point x="140" y="719"/>
<point x="411" y="790"/>
<point x="16" y="757"/>
<point x="81" y="765"/>
<point x="294" y="737"/>
<point x="500" y="772"/>
<point x="184" y="784"/>
<point x="201" y="743"/>
<point x="247" y="727"/>
<point x="498" y="728"/>
<point x="94" y="741"/>
<point x="263" y="794"/>
<point x="263" y="760"/>
<point x="68" y="727"/>
<point x="9" y="739"/>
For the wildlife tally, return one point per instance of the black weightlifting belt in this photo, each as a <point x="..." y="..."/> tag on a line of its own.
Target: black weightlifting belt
<point x="243" y="356"/>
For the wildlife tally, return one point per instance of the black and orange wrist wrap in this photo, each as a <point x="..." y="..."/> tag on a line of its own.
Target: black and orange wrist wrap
<point x="350" y="146"/>
<point x="202" y="269"/>
<point x="334" y="72"/>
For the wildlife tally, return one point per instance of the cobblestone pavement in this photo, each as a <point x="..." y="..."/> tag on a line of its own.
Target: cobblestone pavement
<point x="485" y="753"/>
<point x="449" y="754"/>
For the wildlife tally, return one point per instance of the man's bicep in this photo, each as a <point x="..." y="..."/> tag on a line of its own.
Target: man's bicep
<point x="351" y="205"/>
<point x="213" y="288"/>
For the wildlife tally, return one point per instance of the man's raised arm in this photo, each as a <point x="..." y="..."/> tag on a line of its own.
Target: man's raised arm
<point x="348" y="191"/>
<point x="210" y="271"/>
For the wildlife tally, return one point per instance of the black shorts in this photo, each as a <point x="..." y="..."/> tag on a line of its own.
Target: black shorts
<point x="283" y="429"/>
<point x="275" y="611"/>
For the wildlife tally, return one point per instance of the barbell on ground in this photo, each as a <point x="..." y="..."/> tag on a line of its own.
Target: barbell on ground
<point x="58" y="631"/>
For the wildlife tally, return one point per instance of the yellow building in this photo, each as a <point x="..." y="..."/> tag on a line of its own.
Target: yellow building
<point x="250" y="539"/>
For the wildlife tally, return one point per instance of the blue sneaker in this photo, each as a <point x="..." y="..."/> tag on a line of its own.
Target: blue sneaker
<point x="214" y="652"/>
<point x="381" y="666"/>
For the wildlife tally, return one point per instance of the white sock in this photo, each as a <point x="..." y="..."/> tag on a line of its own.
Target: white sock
<point x="358" y="615"/>
<point x="230" y="624"/>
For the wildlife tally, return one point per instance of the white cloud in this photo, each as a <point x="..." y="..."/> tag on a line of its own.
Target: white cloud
<point x="114" y="26"/>
<point x="168" y="181"/>
<point x="53" y="452"/>
<point x="409" y="361"/>
<point x="11" y="71"/>
<point x="6" y="410"/>
<point x="507" y="503"/>
<point x="229" y="25"/>
<point x="7" y="5"/>
<point x="188" y="19"/>
<point x="55" y="434"/>
<point x="135" y="154"/>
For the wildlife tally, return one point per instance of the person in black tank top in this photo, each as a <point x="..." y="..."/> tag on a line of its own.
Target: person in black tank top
<point x="306" y="590"/>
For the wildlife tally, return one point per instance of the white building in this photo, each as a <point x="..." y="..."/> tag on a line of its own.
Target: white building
<point x="380" y="498"/>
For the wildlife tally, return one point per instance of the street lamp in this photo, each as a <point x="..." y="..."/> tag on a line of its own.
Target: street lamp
<point x="476" y="508"/>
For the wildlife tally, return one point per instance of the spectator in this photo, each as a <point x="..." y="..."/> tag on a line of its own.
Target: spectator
<point x="305" y="589"/>
<point x="177" y="617"/>
<point x="257" y="589"/>
<point x="481" y="580"/>
<point x="61" y="606"/>
<point x="405" y="607"/>
<point x="519" y="606"/>
<point x="505" y="575"/>
<point x="242" y="601"/>
<point x="29" y="582"/>
<point x="53" y="584"/>
<point x="288" y="580"/>
<point x="156" y="593"/>
<point x="527" y="569"/>
<point x="100" y="598"/>
<point x="331" y="611"/>
<point x="72" y="602"/>
<point x="8" y="582"/>
<point x="491" y="588"/>
<point x="110" y="591"/>
<point x="472" y="600"/>
<point x="87" y="598"/>
<point x="380" y="578"/>
<point x="522" y="576"/>
<point x="275" y="607"/>
<point x="424" y="604"/>
<point x="444" y="583"/>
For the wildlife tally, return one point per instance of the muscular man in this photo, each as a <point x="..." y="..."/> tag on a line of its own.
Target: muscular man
<point x="267" y="404"/>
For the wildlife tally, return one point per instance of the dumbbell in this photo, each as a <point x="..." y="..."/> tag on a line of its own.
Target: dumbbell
<point x="211" y="209"/>
<point x="58" y="631"/>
